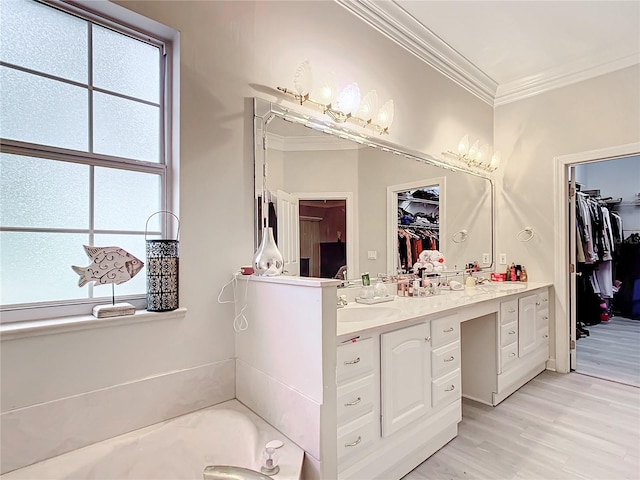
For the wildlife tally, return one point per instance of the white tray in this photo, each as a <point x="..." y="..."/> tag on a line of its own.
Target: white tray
<point x="371" y="301"/>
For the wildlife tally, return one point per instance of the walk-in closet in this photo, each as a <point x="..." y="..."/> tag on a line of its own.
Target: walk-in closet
<point x="608" y="269"/>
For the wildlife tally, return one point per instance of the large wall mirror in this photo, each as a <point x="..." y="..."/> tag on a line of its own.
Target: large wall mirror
<point x="339" y="201"/>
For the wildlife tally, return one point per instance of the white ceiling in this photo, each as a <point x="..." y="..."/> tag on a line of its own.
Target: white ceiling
<point x="506" y="50"/>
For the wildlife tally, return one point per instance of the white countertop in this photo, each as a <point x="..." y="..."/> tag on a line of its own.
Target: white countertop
<point x="401" y="309"/>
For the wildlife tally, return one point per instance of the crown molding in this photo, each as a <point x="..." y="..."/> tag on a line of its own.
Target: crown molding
<point x="308" y="143"/>
<point x="395" y="23"/>
<point x="551" y="79"/>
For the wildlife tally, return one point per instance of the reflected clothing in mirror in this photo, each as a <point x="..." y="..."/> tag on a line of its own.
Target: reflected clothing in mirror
<point x="412" y="241"/>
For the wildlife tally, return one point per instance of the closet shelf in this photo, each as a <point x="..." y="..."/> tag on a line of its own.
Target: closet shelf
<point x="419" y="200"/>
<point x="418" y="226"/>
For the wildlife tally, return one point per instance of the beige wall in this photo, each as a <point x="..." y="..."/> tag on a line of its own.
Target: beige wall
<point x="593" y="114"/>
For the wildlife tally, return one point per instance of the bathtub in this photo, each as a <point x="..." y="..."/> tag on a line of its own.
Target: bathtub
<point x="180" y="448"/>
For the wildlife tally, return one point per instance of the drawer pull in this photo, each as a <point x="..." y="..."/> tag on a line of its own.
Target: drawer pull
<point x="450" y="389"/>
<point x="512" y="354"/>
<point x="353" y="444"/>
<point x="450" y="359"/>
<point x="545" y="336"/>
<point x="352" y="362"/>
<point x="545" y="300"/>
<point x="512" y="310"/>
<point x="355" y="402"/>
<point x="448" y="330"/>
<point x="428" y="338"/>
<point x="545" y="318"/>
<point x="537" y="304"/>
<point x="512" y="332"/>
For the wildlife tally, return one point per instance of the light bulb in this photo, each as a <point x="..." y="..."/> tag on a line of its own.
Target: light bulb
<point x="349" y="99"/>
<point x="384" y="118"/>
<point x="473" y="150"/>
<point x="495" y="161"/>
<point x="328" y="89"/>
<point x="463" y="145"/>
<point x="482" y="157"/>
<point x="368" y="106"/>
<point x="303" y="78"/>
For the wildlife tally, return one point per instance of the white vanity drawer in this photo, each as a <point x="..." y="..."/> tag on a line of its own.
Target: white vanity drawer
<point x="543" y="341"/>
<point x="543" y="318"/>
<point x="508" y="355"/>
<point x="444" y="330"/>
<point x="445" y="359"/>
<point x="356" y="436"/>
<point x="543" y="299"/>
<point x="355" y="399"/>
<point x="354" y="359"/>
<point x="446" y="389"/>
<point x="508" y="334"/>
<point x="508" y="311"/>
<point x="543" y="335"/>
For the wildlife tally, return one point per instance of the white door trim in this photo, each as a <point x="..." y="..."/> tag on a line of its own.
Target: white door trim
<point x="561" y="224"/>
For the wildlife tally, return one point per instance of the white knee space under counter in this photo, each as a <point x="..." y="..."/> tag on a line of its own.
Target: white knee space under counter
<point x="372" y="396"/>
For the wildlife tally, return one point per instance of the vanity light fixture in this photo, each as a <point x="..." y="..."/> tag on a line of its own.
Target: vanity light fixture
<point x="475" y="155"/>
<point x="342" y="106"/>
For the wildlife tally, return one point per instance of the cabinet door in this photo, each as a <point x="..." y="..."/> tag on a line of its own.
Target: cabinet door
<point x="406" y="377"/>
<point x="527" y="325"/>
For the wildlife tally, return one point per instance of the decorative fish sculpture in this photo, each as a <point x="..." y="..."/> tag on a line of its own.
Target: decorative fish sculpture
<point x="108" y="265"/>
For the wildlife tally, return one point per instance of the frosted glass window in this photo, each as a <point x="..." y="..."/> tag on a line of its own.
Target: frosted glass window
<point x="78" y="102"/>
<point x="125" y="199"/>
<point x="125" y="65"/>
<point x="36" y="267"/>
<point x="136" y="246"/>
<point x="125" y="128"/>
<point x="44" y="39"/>
<point x="36" y="192"/>
<point x="39" y="110"/>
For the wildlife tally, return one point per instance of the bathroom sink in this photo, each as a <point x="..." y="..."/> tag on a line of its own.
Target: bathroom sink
<point x="365" y="313"/>
<point x="502" y="287"/>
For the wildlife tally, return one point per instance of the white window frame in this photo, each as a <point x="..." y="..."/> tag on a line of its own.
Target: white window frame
<point x="118" y="18"/>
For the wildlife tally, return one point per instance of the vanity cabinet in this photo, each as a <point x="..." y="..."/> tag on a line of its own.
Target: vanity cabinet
<point x="519" y="336"/>
<point x="357" y="404"/>
<point x="527" y="325"/>
<point x="406" y="376"/>
<point x="419" y="392"/>
<point x="373" y="398"/>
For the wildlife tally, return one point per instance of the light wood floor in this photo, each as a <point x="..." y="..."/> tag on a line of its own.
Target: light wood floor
<point x="611" y="351"/>
<point x="557" y="426"/>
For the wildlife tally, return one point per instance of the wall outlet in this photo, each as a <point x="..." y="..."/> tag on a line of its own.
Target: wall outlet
<point x="503" y="259"/>
<point x="372" y="254"/>
<point x="485" y="258"/>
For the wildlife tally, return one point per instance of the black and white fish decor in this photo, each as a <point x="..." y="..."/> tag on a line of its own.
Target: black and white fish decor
<point x="108" y="265"/>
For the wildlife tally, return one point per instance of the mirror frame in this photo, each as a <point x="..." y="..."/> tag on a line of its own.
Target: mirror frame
<point x="265" y="111"/>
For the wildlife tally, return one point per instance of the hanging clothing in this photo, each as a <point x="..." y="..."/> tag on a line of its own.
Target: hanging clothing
<point x="597" y="244"/>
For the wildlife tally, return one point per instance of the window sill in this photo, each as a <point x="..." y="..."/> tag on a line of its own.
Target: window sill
<point x="12" y="331"/>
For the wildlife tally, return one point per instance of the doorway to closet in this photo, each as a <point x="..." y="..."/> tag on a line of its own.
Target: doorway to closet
<point x="607" y="269"/>
<point x="323" y="238"/>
